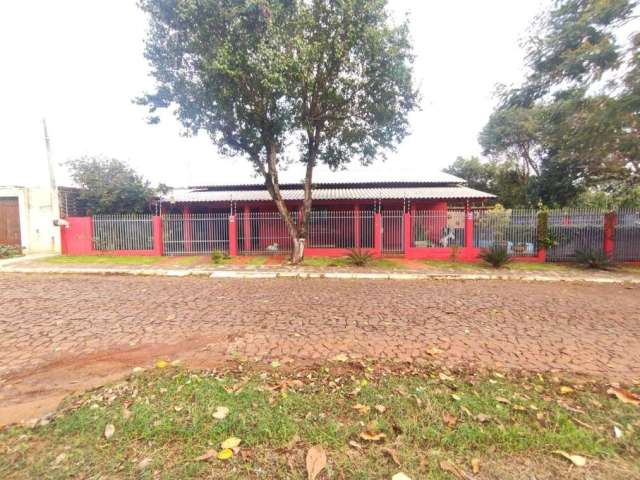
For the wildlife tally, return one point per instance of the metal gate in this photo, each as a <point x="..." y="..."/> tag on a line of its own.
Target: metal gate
<point x="392" y="232"/>
<point x="9" y="221"/>
<point x="195" y="234"/>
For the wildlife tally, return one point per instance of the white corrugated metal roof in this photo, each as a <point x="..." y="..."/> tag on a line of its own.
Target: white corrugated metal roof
<point x="381" y="193"/>
<point x="384" y="173"/>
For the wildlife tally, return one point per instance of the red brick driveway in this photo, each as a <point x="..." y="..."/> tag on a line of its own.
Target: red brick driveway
<point x="56" y="328"/>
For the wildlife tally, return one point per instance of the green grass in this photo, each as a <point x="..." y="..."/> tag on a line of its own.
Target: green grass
<point x="170" y="422"/>
<point x="383" y="263"/>
<point x="103" y="260"/>
<point x="257" y="260"/>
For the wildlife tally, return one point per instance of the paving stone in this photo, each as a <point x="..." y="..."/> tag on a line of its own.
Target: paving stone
<point x="581" y="328"/>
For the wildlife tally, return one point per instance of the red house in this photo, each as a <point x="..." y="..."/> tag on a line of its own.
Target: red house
<point x="344" y="214"/>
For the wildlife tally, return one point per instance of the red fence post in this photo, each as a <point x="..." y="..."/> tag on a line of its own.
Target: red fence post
<point x="157" y="235"/>
<point x="610" y="220"/>
<point x="406" y="239"/>
<point x="468" y="226"/>
<point x="233" y="236"/>
<point x="377" y="233"/>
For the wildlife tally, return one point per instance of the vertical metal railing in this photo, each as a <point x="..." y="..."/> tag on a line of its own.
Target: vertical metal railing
<point x="515" y="230"/>
<point x="437" y="228"/>
<point x="573" y="230"/>
<point x="627" y="235"/>
<point x="340" y="229"/>
<point x="392" y="231"/>
<point x="122" y="232"/>
<point x="195" y="234"/>
<point x="264" y="233"/>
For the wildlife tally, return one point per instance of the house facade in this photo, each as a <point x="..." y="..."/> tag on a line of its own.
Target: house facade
<point x="344" y="214"/>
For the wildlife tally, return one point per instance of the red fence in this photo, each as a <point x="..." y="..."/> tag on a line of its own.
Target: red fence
<point x="433" y="234"/>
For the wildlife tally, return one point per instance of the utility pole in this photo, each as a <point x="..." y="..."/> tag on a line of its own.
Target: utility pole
<point x="52" y="176"/>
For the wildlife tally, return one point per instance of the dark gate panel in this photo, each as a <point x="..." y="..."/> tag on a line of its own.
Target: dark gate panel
<point x="9" y="221"/>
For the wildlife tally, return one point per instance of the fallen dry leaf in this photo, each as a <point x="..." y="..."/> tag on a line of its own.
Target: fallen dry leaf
<point x="503" y="400"/>
<point x="475" y="465"/>
<point x="341" y="357"/>
<point x="393" y="454"/>
<point x="564" y="390"/>
<point x="316" y="461"/>
<point x="109" y="430"/>
<point x="400" y="476"/>
<point x="577" y="460"/>
<point x="380" y="408"/>
<point x="433" y="351"/>
<point x="209" y="454"/>
<point x="231" y="442"/>
<point x="372" y="436"/>
<point x="144" y="463"/>
<point x="220" y="413"/>
<point x="449" y="467"/>
<point x="362" y="409"/>
<point x="355" y="444"/>
<point x="162" y="364"/>
<point x="617" y="432"/>
<point x="482" y="418"/>
<point x="225" y="454"/>
<point x="625" y="396"/>
<point x="449" y="420"/>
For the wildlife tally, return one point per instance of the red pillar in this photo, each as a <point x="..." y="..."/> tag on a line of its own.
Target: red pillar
<point x="407" y="234"/>
<point x="246" y="228"/>
<point x="610" y="220"/>
<point x="356" y="225"/>
<point x="186" y="228"/>
<point x="157" y="235"/>
<point x="377" y="233"/>
<point x="233" y="236"/>
<point x="468" y="226"/>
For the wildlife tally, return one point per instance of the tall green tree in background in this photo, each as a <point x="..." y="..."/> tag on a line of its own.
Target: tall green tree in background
<point x="110" y="186"/>
<point x="573" y="126"/>
<point x="279" y="81"/>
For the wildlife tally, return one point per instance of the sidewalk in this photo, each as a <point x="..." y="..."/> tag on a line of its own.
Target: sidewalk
<point x="39" y="265"/>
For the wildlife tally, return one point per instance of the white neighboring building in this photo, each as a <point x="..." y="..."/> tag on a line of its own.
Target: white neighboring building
<point x="37" y="209"/>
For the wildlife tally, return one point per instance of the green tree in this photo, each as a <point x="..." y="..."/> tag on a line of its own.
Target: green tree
<point x="280" y="81"/>
<point x="503" y="179"/>
<point x="573" y="124"/>
<point x="109" y="186"/>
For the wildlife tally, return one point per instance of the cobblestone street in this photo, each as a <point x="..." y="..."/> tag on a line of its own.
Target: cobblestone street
<point x="72" y="321"/>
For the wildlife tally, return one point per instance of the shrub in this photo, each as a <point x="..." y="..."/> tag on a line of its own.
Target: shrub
<point x="593" y="259"/>
<point x="497" y="256"/>
<point x="359" y="258"/>
<point x="8" y="251"/>
<point x="218" y="257"/>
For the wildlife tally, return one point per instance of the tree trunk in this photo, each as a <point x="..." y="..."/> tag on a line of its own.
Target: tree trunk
<point x="298" y="250"/>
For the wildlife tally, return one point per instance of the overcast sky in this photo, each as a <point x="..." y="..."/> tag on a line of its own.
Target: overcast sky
<point x="79" y="63"/>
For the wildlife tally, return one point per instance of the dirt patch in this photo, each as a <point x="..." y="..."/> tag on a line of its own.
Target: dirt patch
<point x="36" y="392"/>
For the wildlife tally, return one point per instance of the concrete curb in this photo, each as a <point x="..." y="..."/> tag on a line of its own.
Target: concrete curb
<point x="301" y="274"/>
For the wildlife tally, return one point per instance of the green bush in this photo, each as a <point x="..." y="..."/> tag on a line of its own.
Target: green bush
<point x="8" y="251"/>
<point x="497" y="256"/>
<point x="593" y="259"/>
<point x="218" y="257"/>
<point x="359" y="258"/>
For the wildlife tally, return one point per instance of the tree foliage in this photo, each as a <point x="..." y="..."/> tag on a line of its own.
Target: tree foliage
<point x="574" y="122"/>
<point x="321" y="81"/>
<point x="109" y="186"/>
